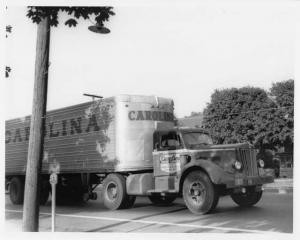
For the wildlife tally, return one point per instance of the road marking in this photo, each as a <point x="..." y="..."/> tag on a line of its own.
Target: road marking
<point x="153" y="222"/>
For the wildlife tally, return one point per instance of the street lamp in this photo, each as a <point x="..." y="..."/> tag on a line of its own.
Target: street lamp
<point x="99" y="28"/>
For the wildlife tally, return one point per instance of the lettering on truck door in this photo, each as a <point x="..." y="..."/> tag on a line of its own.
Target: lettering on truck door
<point x="169" y="150"/>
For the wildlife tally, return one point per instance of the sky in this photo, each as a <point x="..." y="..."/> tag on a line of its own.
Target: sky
<point x="180" y="51"/>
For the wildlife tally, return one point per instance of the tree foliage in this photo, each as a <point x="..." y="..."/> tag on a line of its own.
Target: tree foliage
<point x="194" y="114"/>
<point x="283" y="95"/>
<point x="101" y="14"/>
<point x="239" y="115"/>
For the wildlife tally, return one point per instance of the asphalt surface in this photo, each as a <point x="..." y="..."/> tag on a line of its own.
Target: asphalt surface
<point x="274" y="213"/>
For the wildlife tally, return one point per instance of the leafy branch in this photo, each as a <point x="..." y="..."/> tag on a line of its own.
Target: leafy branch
<point x="102" y="14"/>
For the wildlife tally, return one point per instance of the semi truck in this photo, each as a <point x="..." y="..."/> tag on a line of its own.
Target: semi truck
<point x="131" y="146"/>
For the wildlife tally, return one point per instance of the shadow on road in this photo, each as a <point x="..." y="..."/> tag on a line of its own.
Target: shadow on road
<point x="138" y="218"/>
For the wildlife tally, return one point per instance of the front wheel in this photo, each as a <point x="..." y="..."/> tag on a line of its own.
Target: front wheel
<point x="199" y="193"/>
<point x="246" y="200"/>
<point x="162" y="200"/>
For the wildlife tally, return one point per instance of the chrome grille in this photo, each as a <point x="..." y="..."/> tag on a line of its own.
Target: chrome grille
<point x="248" y="159"/>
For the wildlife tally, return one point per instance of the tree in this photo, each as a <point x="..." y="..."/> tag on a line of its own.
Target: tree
<point x="253" y="115"/>
<point x="240" y="115"/>
<point x="194" y="114"/>
<point x="283" y="95"/>
<point x="46" y="17"/>
<point x="102" y="14"/>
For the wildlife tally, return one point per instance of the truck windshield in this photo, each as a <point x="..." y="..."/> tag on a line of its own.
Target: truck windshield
<point x="194" y="140"/>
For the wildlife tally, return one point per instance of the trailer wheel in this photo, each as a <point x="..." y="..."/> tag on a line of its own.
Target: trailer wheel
<point x="162" y="200"/>
<point x="16" y="190"/>
<point x="246" y="200"/>
<point x="129" y="202"/>
<point x="114" y="192"/>
<point x="199" y="193"/>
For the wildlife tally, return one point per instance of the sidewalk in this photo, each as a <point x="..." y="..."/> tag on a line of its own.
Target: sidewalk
<point x="280" y="185"/>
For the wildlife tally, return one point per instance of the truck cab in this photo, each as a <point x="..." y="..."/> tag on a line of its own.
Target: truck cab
<point x="187" y="163"/>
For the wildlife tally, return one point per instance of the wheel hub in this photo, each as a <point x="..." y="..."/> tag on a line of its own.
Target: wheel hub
<point x="197" y="192"/>
<point x="112" y="191"/>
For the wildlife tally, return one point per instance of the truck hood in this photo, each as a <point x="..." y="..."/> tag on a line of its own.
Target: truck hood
<point x="222" y="155"/>
<point x="235" y="145"/>
<point x="221" y="146"/>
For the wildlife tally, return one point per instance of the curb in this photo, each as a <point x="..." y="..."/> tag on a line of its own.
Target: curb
<point x="283" y="190"/>
<point x="279" y="186"/>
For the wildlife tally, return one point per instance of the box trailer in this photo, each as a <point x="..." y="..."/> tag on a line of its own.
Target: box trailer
<point x="113" y="134"/>
<point x="131" y="146"/>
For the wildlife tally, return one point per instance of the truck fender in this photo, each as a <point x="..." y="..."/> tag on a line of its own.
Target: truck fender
<point x="215" y="173"/>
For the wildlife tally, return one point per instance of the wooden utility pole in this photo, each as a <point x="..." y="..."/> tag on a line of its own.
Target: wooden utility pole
<point x="36" y="139"/>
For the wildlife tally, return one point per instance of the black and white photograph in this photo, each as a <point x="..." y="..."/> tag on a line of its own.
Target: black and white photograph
<point x="150" y="117"/>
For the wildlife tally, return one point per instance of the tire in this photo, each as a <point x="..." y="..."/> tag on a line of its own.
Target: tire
<point x="199" y="193"/>
<point x="162" y="200"/>
<point x="114" y="192"/>
<point x="246" y="200"/>
<point x="16" y="190"/>
<point x="129" y="202"/>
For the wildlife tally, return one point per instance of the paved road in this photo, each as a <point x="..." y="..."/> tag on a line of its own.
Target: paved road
<point x="274" y="213"/>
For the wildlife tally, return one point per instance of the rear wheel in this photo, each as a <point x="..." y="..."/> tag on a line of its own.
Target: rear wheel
<point x="129" y="202"/>
<point x="162" y="200"/>
<point x="114" y="192"/>
<point x="16" y="190"/>
<point x="199" y="193"/>
<point x="248" y="199"/>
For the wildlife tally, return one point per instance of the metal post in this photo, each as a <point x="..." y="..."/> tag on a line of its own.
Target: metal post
<point x="53" y="181"/>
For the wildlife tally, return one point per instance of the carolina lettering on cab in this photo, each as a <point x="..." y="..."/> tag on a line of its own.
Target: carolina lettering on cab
<point x="150" y="115"/>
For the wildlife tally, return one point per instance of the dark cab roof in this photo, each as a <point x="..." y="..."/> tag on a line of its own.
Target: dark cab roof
<point x="184" y="130"/>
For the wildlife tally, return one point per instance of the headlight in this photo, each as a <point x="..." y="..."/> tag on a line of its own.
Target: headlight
<point x="238" y="165"/>
<point x="261" y="163"/>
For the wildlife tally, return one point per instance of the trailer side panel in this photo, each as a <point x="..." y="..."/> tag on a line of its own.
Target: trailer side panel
<point x="80" y="138"/>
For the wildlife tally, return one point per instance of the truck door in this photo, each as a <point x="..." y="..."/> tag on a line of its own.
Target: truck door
<point x="168" y="149"/>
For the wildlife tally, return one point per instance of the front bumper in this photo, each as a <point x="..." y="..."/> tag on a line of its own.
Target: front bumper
<point x="239" y="180"/>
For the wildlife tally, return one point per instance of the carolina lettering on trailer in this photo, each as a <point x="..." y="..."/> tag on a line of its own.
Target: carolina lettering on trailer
<point x="150" y="115"/>
<point x="67" y="127"/>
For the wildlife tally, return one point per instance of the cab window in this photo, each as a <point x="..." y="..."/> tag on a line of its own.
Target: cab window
<point x="167" y="141"/>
